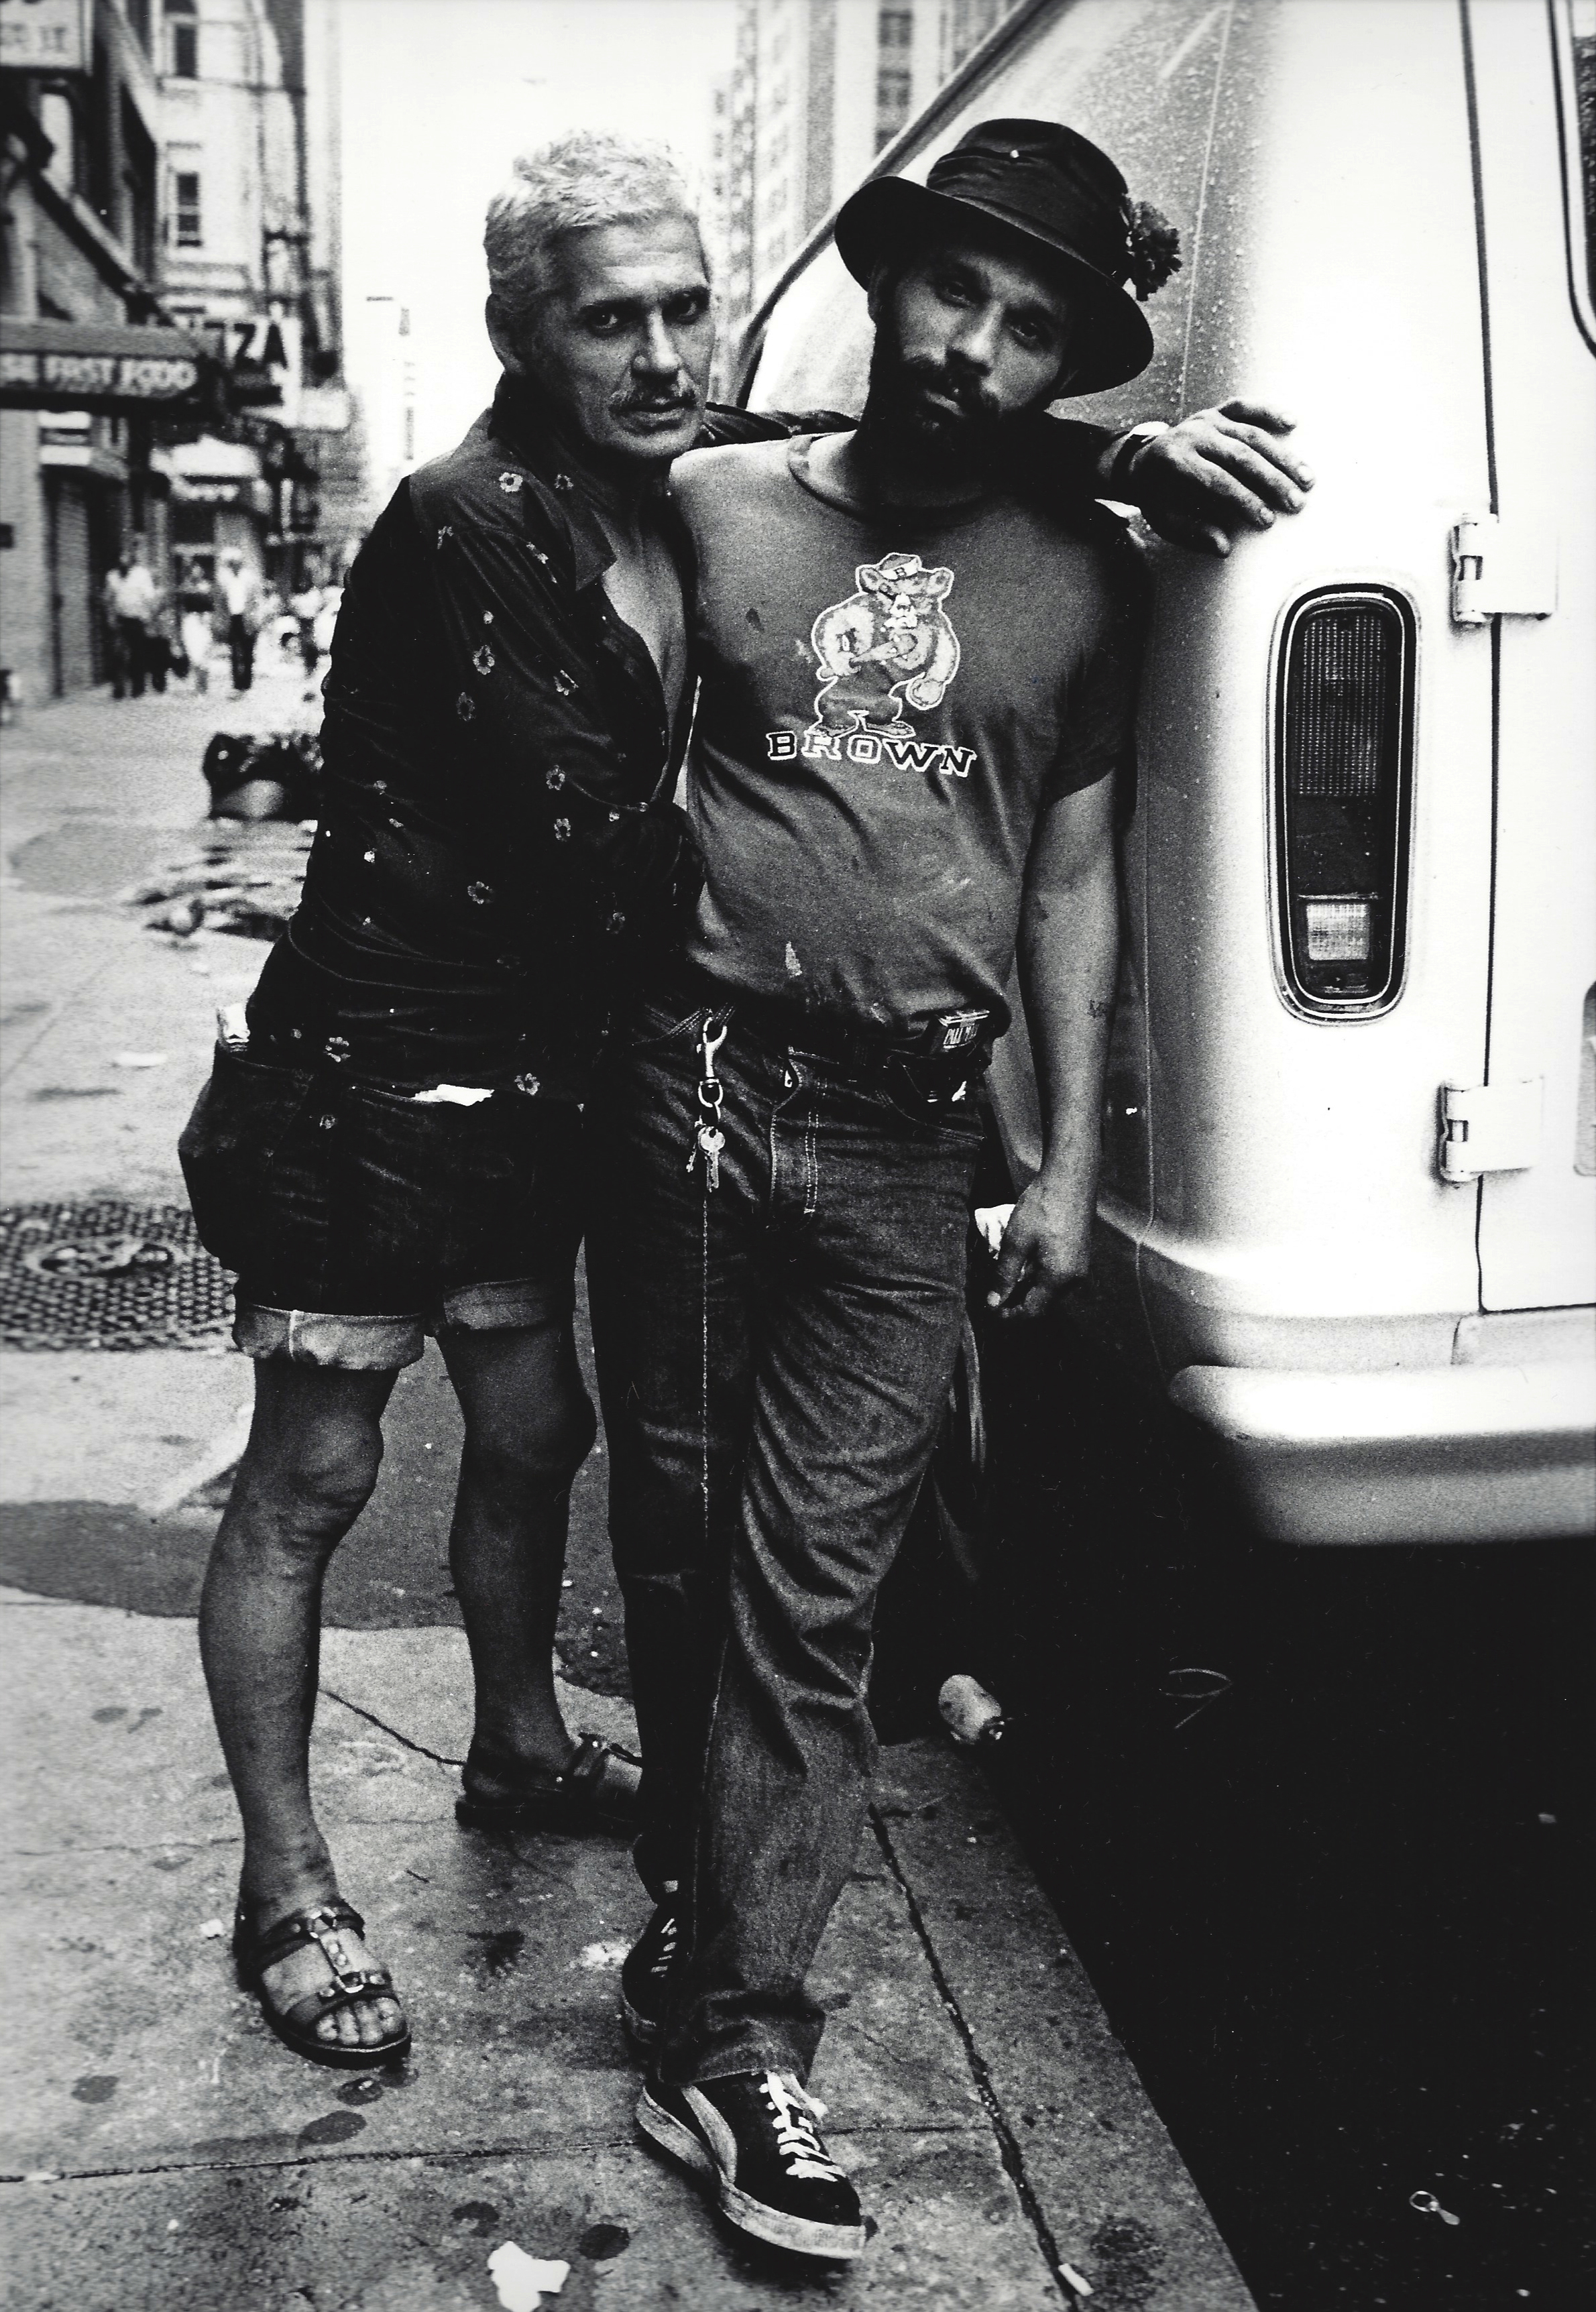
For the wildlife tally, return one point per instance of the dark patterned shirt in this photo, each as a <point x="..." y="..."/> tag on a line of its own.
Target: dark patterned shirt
<point x="499" y="859"/>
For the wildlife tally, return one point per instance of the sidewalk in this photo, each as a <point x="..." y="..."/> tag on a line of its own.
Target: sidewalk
<point x="159" y="2148"/>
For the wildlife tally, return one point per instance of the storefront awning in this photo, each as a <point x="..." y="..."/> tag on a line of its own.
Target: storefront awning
<point x="211" y="459"/>
<point x="211" y="472"/>
<point x="97" y="366"/>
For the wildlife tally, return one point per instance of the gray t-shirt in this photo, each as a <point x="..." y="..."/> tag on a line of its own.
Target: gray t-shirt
<point x="888" y="700"/>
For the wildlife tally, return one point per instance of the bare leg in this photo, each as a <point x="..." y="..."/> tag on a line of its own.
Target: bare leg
<point x="529" y="1427"/>
<point x="307" y="1472"/>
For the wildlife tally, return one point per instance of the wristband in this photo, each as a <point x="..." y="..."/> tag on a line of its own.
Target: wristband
<point x="1125" y="457"/>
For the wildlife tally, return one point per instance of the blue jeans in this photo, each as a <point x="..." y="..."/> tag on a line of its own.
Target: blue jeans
<point x="774" y="1358"/>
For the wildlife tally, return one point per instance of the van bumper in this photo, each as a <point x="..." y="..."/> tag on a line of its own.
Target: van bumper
<point x="1460" y="1452"/>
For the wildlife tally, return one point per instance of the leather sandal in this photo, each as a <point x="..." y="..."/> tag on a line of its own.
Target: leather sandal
<point x="599" y="1790"/>
<point x="324" y="1924"/>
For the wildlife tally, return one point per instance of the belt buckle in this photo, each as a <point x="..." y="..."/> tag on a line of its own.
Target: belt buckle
<point x="951" y="1032"/>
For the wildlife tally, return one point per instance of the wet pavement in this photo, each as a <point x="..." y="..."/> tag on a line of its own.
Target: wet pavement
<point x="1322" y="1823"/>
<point x="979" y="2097"/>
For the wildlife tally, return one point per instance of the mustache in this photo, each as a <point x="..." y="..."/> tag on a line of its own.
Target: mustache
<point x="967" y="392"/>
<point x="655" y="398"/>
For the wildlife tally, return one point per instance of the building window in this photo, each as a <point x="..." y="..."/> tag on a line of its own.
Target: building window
<point x="183" y="34"/>
<point x="968" y="24"/>
<point x="60" y="123"/>
<point x="820" y="101"/>
<point x="188" y="225"/>
<point x="895" y="32"/>
<point x="139" y="17"/>
<point x="101" y="136"/>
<point x="139" y="173"/>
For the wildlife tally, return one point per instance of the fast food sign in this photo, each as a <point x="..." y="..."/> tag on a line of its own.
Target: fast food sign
<point x="66" y="365"/>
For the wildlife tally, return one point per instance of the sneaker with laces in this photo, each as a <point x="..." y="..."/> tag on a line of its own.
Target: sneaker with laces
<point x="758" y="2133"/>
<point x="646" y="1973"/>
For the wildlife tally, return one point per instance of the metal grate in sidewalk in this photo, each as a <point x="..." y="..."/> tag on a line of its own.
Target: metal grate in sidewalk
<point x="107" y="1275"/>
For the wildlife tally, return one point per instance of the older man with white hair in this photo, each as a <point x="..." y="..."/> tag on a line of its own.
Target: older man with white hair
<point x="388" y="1144"/>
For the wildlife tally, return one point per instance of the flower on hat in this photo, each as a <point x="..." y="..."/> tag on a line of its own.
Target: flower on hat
<point x="1154" y="248"/>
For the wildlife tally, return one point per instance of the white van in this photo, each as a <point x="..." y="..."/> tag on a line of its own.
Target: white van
<point x="1348" y="1206"/>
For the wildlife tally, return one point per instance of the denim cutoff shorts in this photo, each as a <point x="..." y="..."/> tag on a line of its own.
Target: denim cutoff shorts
<point x="359" y="1220"/>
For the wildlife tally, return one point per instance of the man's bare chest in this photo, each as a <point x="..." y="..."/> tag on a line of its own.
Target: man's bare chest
<point x="645" y="592"/>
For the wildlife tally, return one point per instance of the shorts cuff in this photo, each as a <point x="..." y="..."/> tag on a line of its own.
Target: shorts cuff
<point x="512" y="1304"/>
<point x="309" y="1336"/>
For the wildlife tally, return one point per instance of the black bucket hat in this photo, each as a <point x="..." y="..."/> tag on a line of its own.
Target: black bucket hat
<point x="1043" y="182"/>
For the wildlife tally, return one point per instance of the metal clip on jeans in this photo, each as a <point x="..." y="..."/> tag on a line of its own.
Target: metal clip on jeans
<point x="708" y="1139"/>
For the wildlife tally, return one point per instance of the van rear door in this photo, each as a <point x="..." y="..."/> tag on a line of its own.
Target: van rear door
<point x="1538" y="1224"/>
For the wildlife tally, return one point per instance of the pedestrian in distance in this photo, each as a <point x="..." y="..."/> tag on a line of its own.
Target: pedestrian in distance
<point x="916" y="690"/>
<point x="305" y="604"/>
<point x="160" y="643"/>
<point x="391" y="1141"/>
<point x="196" y="628"/>
<point x="327" y="618"/>
<point x="238" y="598"/>
<point x="130" y="601"/>
<point x="275" y="622"/>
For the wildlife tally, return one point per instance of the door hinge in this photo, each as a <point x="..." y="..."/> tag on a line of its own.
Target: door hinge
<point x="1492" y="1127"/>
<point x="1502" y="568"/>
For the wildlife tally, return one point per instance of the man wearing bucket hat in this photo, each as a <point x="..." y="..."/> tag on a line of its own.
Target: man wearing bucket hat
<point x="917" y="689"/>
<point x="390" y="1141"/>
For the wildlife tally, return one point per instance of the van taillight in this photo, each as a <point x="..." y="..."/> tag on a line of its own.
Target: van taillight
<point x="1342" y="765"/>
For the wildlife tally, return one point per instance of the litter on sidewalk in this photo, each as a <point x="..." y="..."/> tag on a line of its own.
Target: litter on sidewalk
<point x="973" y="1716"/>
<point x="235" y="876"/>
<point x="523" y="2280"/>
<point x="273" y="778"/>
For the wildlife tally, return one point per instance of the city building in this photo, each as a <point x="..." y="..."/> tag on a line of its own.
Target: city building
<point x="170" y="337"/>
<point x="90" y="369"/>
<point x="819" y="89"/>
<point x="249" y="115"/>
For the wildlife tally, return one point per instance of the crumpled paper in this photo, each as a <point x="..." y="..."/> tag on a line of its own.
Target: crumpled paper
<point x="523" y="2280"/>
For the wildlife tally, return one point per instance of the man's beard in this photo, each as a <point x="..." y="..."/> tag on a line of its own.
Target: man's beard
<point x="967" y="438"/>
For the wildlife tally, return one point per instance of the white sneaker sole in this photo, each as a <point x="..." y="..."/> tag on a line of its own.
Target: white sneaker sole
<point x="663" y="2128"/>
<point x="797" y="2234"/>
<point x="841" y="2242"/>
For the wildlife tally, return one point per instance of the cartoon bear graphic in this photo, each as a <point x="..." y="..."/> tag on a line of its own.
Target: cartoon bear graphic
<point x="889" y="647"/>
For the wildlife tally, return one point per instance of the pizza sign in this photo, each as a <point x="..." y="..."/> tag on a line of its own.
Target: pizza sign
<point x="262" y="353"/>
<point x="255" y="341"/>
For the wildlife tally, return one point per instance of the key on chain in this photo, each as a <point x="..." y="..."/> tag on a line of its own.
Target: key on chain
<point x="711" y="1141"/>
<point x="708" y="1139"/>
